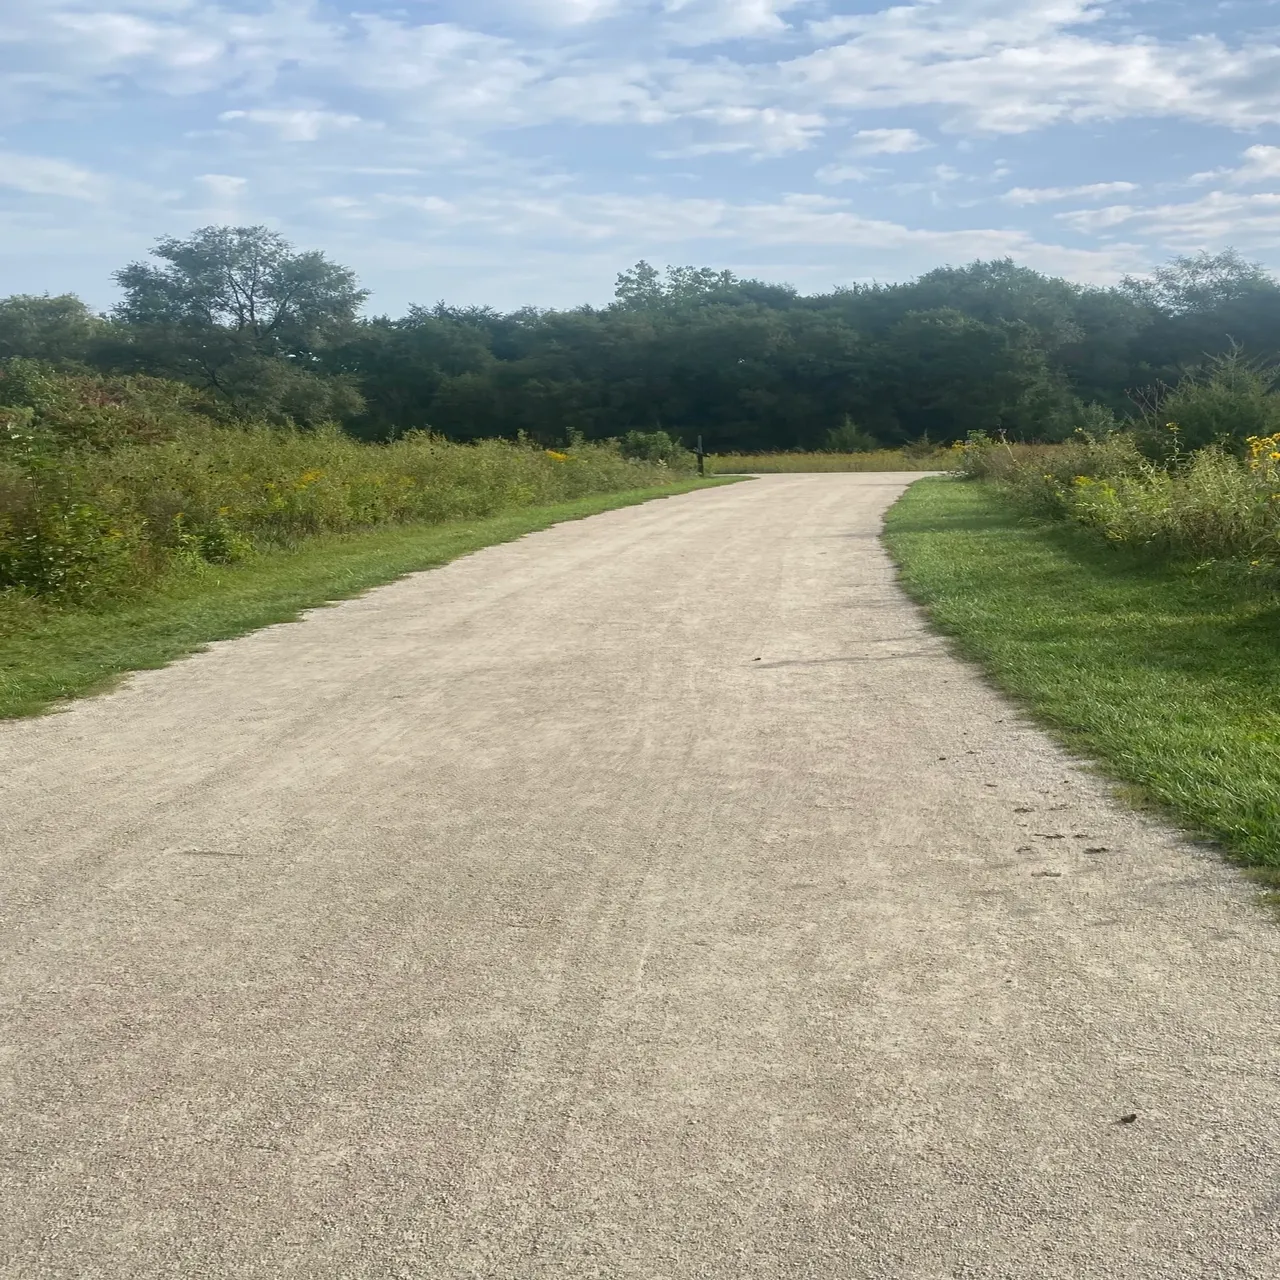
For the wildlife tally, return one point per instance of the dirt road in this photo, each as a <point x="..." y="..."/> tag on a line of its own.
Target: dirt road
<point x="651" y="898"/>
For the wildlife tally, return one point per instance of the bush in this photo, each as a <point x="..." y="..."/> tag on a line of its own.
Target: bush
<point x="1032" y="467"/>
<point x="106" y="483"/>
<point x="656" y="446"/>
<point x="1210" y="504"/>
<point x="848" y="437"/>
<point x="1228" y="403"/>
<point x="1216" y="506"/>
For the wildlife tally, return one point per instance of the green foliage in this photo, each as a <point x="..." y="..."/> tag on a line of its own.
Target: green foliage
<point x="1041" y="477"/>
<point x="1230" y="401"/>
<point x="656" y="446"/>
<point x="107" y="483"/>
<point x="245" y="279"/>
<point x="269" y="333"/>
<point x="1214" y="507"/>
<point x="1217" y="501"/>
<point x="55" y="329"/>
<point x="237" y="312"/>
<point x="848" y="437"/>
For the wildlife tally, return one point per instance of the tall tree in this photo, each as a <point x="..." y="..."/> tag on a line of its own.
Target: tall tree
<point x="240" y="312"/>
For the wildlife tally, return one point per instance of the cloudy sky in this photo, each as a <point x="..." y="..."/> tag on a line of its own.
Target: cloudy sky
<point x="524" y="151"/>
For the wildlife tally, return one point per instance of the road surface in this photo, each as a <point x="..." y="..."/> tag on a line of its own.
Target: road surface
<point x="652" y="898"/>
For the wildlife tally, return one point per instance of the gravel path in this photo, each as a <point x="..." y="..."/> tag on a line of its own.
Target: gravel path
<point x="651" y="898"/>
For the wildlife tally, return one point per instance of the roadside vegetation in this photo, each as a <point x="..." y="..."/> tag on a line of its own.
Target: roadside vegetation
<point x="107" y="484"/>
<point x="1126" y="586"/>
<point x="927" y="459"/>
<point x="134" y="524"/>
<point x="1198" y="475"/>
<point x="922" y="456"/>
<point x="49" y="654"/>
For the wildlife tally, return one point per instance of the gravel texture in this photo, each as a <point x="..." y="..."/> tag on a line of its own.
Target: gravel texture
<point x="654" y="897"/>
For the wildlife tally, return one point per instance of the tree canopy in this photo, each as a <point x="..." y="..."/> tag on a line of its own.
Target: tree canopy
<point x="264" y="330"/>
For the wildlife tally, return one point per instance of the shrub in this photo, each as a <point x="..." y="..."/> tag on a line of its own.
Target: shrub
<point x="106" y="483"/>
<point x="848" y="437"/>
<point x="656" y="446"/>
<point x="1216" y="506"/>
<point x="1228" y="403"/>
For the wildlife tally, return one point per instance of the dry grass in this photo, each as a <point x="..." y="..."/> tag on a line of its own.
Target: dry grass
<point x="726" y="464"/>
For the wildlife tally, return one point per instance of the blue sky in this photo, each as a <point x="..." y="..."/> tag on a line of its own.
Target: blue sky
<point x="524" y="151"/>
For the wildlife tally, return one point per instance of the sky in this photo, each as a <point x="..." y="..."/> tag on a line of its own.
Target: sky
<point x="523" y="152"/>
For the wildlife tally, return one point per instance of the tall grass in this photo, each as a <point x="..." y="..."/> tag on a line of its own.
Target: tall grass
<point x="108" y="484"/>
<point x="725" y="464"/>
<point x="1207" y="503"/>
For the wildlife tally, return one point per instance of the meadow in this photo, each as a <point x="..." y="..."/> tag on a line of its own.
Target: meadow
<point x="917" y="457"/>
<point x="729" y="464"/>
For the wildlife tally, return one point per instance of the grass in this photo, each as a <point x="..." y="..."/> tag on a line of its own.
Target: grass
<point x="877" y="460"/>
<point x="1165" y="674"/>
<point x="73" y="652"/>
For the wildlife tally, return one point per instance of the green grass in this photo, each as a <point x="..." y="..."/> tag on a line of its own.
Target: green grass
<point x="797" y="463"/>
<point x="68" y="654"/>
<point x="1167" y="675"/>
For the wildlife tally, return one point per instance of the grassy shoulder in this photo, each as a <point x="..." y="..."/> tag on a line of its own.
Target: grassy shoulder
<point x="1166" y="675"/>
<point x="71" y="653"/>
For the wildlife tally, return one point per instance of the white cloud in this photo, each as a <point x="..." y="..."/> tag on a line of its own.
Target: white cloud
<point x="711" y="21"/>
<point x="1216" y="219"/>
<point x="223" y="187"/>
<point x="296" y="124"/>
<point x="1002" y="67"/>
<point x="888" y="142"/>
<point x="1261" y="165"/>
<point x="833" y="174"/>
<point x="1046" y="195"/>
<point x="437" y="102"/>
<point x="42" y="176"/>
<point x="797" y="221"/>
<point x="996" y="66"/>
<point x="564" y="13"/>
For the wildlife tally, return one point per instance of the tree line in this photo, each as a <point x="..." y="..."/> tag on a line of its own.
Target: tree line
<point x="265" y="331"/>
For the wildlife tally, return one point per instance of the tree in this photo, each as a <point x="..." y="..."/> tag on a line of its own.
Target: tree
<point x="247" y="280"/>
<point x="1202" y="307"/>
<point x="1201" y="283"/>
<point x="238" y="311"/>
<point x="956" y="374"/>
<point x="56" y="329"/>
